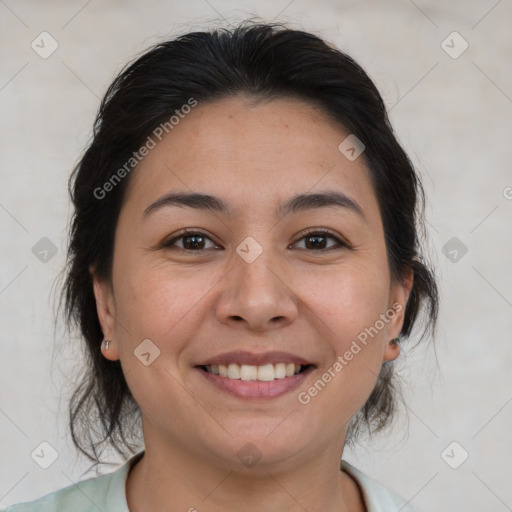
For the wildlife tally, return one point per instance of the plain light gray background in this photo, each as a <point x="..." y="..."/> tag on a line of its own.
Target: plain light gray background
<point x="451" y="112"/>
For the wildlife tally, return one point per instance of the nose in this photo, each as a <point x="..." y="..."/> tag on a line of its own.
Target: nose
<point x="256" y="296"/>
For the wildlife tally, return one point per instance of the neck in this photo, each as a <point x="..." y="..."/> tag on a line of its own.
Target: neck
<point x="190" y="482"/>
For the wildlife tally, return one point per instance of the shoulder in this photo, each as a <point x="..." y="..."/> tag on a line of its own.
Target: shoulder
<point x="87" y="495"/>
<point x="104" y="492"/>
<point x="378" y="498"/>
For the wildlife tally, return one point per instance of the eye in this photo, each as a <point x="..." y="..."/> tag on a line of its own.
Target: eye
<point x="195" y="241"/>
<point x="315" y="240"/>
<point x="191" y="241"/>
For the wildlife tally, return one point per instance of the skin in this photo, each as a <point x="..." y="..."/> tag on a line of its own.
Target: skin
<point x="312" y="302"/>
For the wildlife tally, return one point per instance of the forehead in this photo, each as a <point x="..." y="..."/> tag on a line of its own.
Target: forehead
<point x="251" y="153"/>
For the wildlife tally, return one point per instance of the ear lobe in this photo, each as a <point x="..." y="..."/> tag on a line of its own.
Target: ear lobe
<point x="392" y="351"/>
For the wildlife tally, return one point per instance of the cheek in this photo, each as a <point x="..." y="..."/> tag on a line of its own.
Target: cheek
<point x="352" y="302"/>
<point x="348" y="299"/>
<point x="159" y="305"/>
<point x="159" y="302"/>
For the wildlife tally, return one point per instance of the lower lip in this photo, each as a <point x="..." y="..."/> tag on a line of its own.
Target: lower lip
<point x="256" y="388"/>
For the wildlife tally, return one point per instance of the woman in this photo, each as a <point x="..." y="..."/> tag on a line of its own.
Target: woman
<point x="243" y="265"/>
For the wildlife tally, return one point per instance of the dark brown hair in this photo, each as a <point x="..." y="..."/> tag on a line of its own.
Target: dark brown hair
<point x="256" y="60"/>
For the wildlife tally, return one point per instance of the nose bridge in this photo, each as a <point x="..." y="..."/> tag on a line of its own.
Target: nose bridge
<point x="255" y="291"/>
<point x="259" y="276"/>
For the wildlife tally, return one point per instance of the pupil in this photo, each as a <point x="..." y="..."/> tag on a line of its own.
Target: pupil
<point x="315" y="241"/>
<point x="193" y="245"/>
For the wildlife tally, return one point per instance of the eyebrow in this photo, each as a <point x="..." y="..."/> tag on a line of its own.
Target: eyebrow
<point x="298" y="203"/>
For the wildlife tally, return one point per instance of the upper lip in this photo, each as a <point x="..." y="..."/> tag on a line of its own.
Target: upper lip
<point x="254" y="359"/>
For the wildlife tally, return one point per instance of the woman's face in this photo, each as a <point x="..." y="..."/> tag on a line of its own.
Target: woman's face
<point x="253" y="284"/>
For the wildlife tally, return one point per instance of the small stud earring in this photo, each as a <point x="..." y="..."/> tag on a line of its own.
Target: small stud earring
<point x="395" y="341"/>
<point x="106" y="344"/>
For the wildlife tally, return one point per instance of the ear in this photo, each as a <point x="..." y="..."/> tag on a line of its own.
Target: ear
<point x="398" y="297"/>
<point x="105" y="307"/>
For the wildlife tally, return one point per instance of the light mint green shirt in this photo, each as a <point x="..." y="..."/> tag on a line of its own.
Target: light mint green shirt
<point x="107" y="493"/>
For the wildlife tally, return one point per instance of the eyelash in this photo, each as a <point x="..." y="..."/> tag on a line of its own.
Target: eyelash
<point x="320" y="231"/>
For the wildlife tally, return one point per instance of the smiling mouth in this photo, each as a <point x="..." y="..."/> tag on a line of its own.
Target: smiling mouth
<point x="263" y="373"/>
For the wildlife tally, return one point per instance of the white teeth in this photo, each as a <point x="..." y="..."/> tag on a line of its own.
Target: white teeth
<point x="233" y="371"/>
<point x="280" y="371"/>
<point x="290" y="369"/>
<point x="265" y="373"/>
<point x="248" y="372"/>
